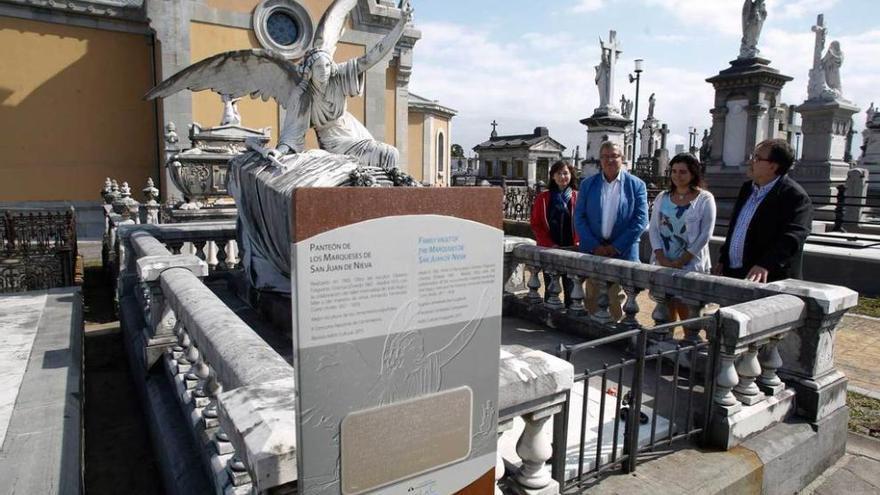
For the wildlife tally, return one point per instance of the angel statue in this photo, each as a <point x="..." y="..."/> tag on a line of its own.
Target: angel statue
<point x="831" y="63"/>
<point x="754" y="13"/>
<point x="312" y="91"/>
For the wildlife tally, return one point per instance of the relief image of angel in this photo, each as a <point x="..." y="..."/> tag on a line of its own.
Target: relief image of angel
<point x="312" y="91"/>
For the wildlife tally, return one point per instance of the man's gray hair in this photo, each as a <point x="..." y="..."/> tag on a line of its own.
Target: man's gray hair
<point x="609" y="144"/>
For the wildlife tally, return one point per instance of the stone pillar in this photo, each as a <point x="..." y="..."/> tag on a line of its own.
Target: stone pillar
<point x="826" y="126"/>
<point x="532" y="172"/>
<point x="808" y="353"/>
<point x="171" y="23"/>
<point x="404" y="70"/>
<point x="744" y="93"/>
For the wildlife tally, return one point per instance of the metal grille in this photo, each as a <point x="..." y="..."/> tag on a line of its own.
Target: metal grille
<point x="678" y="391"/>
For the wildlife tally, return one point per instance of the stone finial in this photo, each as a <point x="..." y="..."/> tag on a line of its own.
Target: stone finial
<point x="125" y="191"/>
<point x="150" y="192"/>
<point x="106" y="190"/>
<point x="171" y="136"/>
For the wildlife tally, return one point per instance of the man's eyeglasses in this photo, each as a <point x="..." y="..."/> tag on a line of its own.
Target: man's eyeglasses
<point x="756" y="159"/>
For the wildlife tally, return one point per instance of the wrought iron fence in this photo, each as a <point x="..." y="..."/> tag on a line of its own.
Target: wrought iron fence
<point x="518" y="202"/>
<point x="677" y="397"/>
<point x="38" y="250"/>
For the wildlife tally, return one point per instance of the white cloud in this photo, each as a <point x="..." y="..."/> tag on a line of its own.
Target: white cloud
<point x="722" y="16"/>
<point x="583" y="6"/>
<point x="797" y="9"/>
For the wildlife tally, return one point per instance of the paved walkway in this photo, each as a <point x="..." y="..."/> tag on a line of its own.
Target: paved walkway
<point x="856" y="351"/>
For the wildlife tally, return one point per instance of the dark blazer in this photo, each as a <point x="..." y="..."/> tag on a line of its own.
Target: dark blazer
<point x="632" y="215"/>
<point x="776" y="234"/>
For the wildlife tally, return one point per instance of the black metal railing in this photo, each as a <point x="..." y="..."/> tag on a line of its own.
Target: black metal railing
<point x="679" y="392"/>
<point x="37" y="250"/>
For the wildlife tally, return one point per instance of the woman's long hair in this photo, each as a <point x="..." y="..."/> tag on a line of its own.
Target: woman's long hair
<point x="556" y="168"/>
<point x="694" y="167"/>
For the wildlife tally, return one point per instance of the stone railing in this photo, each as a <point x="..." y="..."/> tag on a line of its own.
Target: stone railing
<point x="172" y="318"/>
<point x="753" y="319"/>
<point x="238" y="393"/>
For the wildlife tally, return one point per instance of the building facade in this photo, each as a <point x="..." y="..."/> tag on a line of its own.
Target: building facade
<point x="73" y="75"/>
<point x="519" y="157"/>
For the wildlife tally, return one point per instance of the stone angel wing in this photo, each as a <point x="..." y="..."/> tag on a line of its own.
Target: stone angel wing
<point x="332" y="25"/>
<point x="258" y="73"/>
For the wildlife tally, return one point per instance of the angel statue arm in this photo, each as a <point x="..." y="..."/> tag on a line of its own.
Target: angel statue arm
<point x="384" y="47"/>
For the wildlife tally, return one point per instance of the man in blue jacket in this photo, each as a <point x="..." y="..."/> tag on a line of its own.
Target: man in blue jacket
<point x="611" y="212"/>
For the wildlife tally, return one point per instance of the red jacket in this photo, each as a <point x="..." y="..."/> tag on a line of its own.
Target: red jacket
<point x="540" y="225"/>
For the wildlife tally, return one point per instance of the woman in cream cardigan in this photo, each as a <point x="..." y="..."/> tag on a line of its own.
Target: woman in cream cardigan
<point x="682" y="221"/>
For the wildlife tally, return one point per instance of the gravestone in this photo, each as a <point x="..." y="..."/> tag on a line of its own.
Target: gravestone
<point x="397" y="326"/>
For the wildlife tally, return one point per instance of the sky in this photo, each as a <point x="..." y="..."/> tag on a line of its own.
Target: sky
<point x="526" y="64"/>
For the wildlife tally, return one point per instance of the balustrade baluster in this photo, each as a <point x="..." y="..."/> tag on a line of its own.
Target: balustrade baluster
<point x="661" y="315"/>
<point x="692" y="331"/>
<point x="631" y="306"/>
<point x="552" y="290"/>
<point x="237" y="470"/>
<point x="534" y="284"/>
<point x="175" y="246"/>
<point x="770" y="361"/>
<point x="748" y="369"/>
<point x="576" y="298"/>
<point x="726" y="380"/>
<point x="181" y="350"/>
<point x="535" y="449"/>
<point x="200" y="249"/>
<point x="191" y="379"/>
<point x="222" y="255"/>
<point x="602" y="314"/>
<point x="499" y="459"/>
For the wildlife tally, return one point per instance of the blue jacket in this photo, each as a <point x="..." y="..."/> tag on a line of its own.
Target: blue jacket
<point x="632" y="215"/>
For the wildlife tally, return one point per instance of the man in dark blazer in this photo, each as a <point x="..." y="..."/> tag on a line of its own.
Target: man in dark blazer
<point x="770" y="222"/>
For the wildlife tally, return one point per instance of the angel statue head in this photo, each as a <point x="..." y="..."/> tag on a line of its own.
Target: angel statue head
<point x="318" y="66"/>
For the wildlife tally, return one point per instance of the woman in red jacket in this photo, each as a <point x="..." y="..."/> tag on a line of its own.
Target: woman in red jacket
<point x="553" y="214"/>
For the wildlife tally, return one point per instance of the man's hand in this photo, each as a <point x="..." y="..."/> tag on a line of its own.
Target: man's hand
<point x="758" y="274"/>
<point x="718" y="269"/>
<point x="603" y="250"/>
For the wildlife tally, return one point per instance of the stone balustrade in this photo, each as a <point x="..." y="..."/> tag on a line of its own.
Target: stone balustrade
<point x="770" y="334"/>
<point x="239" y="393"/>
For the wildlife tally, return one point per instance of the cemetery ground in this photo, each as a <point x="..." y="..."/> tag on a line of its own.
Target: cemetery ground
<point x="120" y="459"/>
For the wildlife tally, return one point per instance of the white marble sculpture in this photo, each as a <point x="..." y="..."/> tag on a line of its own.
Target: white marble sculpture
<point x="754" y="13"/>
<point x="652" y="102"/>
<point x="824" y="82"/>
<point x="605" y="73"/>
<point x="231" y="116"/>
<point x="626" y="107"/>
<point x="313" y="91"/>
<point x="831" y="63"/>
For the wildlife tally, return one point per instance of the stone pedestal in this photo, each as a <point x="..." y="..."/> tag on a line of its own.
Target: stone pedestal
<point x="870" y="159"/>
<point x="601" y="127"/>
<point x="825" y="125"/>
<point x="745" y="113"/>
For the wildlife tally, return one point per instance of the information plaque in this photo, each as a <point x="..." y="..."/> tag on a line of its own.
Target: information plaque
<point x="397" y="327"/>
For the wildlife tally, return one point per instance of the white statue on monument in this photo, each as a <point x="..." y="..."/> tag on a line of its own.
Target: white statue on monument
<point x="831" y="63"/>
<point x="754" y="13"/>
<point x="313" y="91"/>
<point x="824" y="83"/>
<point x="605" y="74"/>
<point x="231" y="116"/>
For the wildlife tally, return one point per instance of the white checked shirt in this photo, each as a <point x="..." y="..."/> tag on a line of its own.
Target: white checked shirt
<point x="738" y="240"/>
<point x="610" y="198"/>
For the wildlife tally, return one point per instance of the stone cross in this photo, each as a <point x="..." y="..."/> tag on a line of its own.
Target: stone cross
<point x="494" y="125"/>
<point x="816" y="83"/>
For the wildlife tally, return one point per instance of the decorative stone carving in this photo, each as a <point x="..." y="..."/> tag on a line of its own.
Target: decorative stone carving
<point x="754" y="13"/>
<point x="605" y="73"/>
<point x="312" y="91"/>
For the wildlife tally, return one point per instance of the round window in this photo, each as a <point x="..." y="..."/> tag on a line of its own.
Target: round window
<point x="282" y="28"/>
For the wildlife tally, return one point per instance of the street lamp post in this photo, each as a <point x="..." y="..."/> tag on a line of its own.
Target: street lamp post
<point x="637" y="79"/>
<point x="797" y="149"/>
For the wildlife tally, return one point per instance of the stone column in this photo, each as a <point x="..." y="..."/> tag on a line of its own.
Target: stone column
<point x="532" y="172"/>
<point x="404" y="70"/>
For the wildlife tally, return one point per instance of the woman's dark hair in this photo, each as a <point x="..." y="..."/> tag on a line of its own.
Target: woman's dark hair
<point x="556" y="168"/>
<point x="694" y="167"/>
